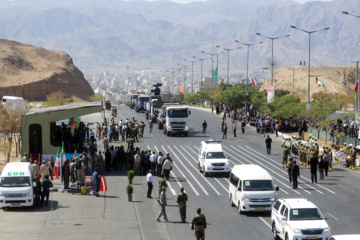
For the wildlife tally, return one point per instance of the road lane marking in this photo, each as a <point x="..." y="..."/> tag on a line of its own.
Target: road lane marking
<point x="333" y="216"/>
<point x="266" y="223"/>
<point x="196" y="192"/>
<point x="299" y="179"/>
<point x="270" y="170"/>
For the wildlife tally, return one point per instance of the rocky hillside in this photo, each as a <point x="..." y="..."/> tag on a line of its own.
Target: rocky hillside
<point x="331" y="76"/>
<point x="33" y="72"/>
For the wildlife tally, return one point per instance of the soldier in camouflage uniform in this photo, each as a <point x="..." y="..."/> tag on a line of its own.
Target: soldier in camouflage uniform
<point x="307" y="158"/>
<point x="353" y="157"/>
<point x="199" y="221"/>
<point x="286" y="150"/>
<point x="181" y="200"/>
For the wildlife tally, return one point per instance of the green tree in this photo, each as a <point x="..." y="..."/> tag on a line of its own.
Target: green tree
<point x="56" y="99"/>
<point x="351" y="76"/>
<point x="96" y="98"/>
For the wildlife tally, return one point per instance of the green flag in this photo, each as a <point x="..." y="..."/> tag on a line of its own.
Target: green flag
<point x="215" y="73"/>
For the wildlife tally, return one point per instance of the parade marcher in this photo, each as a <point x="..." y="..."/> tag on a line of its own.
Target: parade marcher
<point x="199" y="224"/>
<point x="72" y="172"/>
<point x="286" y="151"/>
<point x="35" y="169"/>
<point x="313" y="168"/>
<point x="181" y="199"/>
<point x="96" y="182"/>
<point x="289" y="167"/>
<point x="66" y="174"/>
<point x="150" y="183"/>
<point x="234" y="126"/>
<point x="163" y="203"/>
<point x="295" y="175"/>
<point x="224" y="131"/>
<point x="268" y="144"/>
<point x="46" y="185"/>
<point x="353" y="157"/>
<point x="162" y="183"/>
<point x="204" y="126"/>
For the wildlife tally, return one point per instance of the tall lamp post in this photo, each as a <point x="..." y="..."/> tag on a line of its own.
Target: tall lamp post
<point x="247" y="65"/>
<point x="228" y="63"/>
<point x="272" y="52"/>
<point x="192" y="74"/>
<point x="212" y="61"/>
<point x="201" y="75"/>
<point x="185" y="66"/>
<point x="308" y="105"/>
<point x="351" y="14"/>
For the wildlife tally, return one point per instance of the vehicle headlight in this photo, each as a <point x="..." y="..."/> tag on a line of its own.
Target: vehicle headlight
<point x="186" y="128"/>
<point x="208" y="164"/>
<point x="295" y="230"/>
<point x="245" y="200"/>
<point x="227" y="163"/>
<point x="326" y="230"/>
<point x="272" y="199"/>
<point x="169" y="127"/>
<point x="29" y="194"/>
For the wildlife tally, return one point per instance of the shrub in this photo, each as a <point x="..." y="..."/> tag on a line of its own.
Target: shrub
<point x="129" y="190"/>
<point x="131" y="174"/>
<point x="128" y="166"/>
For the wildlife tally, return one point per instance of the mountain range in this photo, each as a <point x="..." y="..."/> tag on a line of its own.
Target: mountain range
<point x="113" y="34"/>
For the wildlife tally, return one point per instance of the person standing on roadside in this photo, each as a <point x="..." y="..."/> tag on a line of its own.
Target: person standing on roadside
<point x="162" y="183"/>
<point x="181" y="200"/>
<point x="163" y="203"/>
<point x="313" y="168"/>
<point x="159" y="164"/>
<point x="199" y="224"/>
<point x="137" y="161"/>
<point x="295" y="174"/>
<point x="276" y="128"/>
<point x="151" y="124"/>
<point x="268" y="144"/>
<point x="150" y="183"/>
<point x="222" y="125"/>
<point x="96" y="182"/>
<point x="225" y="132"/>
<point x="167" y="166"/>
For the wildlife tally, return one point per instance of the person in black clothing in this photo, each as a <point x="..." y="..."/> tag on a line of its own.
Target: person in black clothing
<point x="313" y="168"/>
<point x="204" y="126"/>
<point x="37" y="191"/>
<point x="295" y="175"/>
<point x="46" y="185"/>
<point x="268" y="144"/>
<point x="107" y="159"/>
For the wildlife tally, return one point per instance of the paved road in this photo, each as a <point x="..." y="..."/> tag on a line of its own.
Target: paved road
<point x="112" y="217"/>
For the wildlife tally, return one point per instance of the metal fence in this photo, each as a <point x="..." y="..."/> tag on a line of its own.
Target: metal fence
<point x="326" y="135"/>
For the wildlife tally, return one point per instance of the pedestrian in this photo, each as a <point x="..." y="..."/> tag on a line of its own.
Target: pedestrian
<point x="234" y="127"/>
<point x="212" y="109"/>
<point x="276" y="128"/>
<point x="204" y="126"/>
<point x="167" y="166"/>
<point x="37" y="191"/>
<point x="289" y="167"/>
<point x="159" y="164"/>
<point x="181" y="199"/>
<point x="150" y="183"/>
<point x="313" y="168"/>
<point x="82" y="173"/>
<point x="243" y="124"/>
<point x="46" y="185"/>
<point x="66" y="174"/>
<point x="295" y="175"/>
<point x="162" y="183"/>
<point x="151" y="124"/>
<point x="100" y="163"/>
<point x="327" y="160"/>
<point x="72" y="172"/>
<point x="153" y="163"/>
<point x="321" y="168"/>
<point x="52" y="167"/>
<point x="225" y="131"/>
<point x="199" y="224"/>
<point x="137" y="161"/>
<point x="163" y="203"/>
<point x="222" y="125"/>
<point x="268" y="144"/>
<point x="96" y="182"/>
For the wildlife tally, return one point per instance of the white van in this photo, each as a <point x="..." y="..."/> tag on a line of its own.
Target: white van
<point x="212" y="158"/>
<point x="13" y="102"/>
<point x="16" y="185"/>
<point x="251" y="188"/>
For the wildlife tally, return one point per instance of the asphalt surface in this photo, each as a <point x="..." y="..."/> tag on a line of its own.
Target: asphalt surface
<point x="112" y="217"/>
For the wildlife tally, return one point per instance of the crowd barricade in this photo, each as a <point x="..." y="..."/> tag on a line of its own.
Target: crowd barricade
<point x="326" y="135"/>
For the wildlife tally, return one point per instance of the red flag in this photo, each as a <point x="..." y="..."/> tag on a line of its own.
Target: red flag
<point x="222" y="82"/>
<point x="356" y="86"/>
<point x="253" y="82"/>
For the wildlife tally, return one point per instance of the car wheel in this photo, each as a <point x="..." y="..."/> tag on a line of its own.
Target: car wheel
<point x="199" y="167"/>
<point x="231" y="202"/>
<point x="167" y="133"/>
<point x="239" y="208"/>
<point x="273" y="229"/>
<point x="205" y="173"/>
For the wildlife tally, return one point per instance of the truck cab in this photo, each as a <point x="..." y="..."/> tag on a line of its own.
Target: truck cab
<point x="133" y="100"/>
<point x="141" y="103"/>
<point x="212" y="159"/>
<point x="175" y="120"/>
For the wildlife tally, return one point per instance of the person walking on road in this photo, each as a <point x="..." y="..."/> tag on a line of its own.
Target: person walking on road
<point x="268" y="144"/>
<point x="162" y="183"/>
<point x="199" y="224"/>
<point x="204" y="126"/>
<point x="181" y="200"/>
<point x="151" y="124"/>
<point x="321" y="168"/>
<point x="295" y="175"/>
<point x="234" y="127"/>
<point x="150" y="183"/>
<point x="327" y="160"/>
<point x="46" y="185"/>
<point x="222" y="125"/>
<point x="313" y="168"/>
<point x="163" y="203"/>
<point x="289" y="167"/>
<point x="225" y="132"/>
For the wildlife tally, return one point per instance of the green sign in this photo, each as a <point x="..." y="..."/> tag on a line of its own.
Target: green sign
<point x="16" y="173"/>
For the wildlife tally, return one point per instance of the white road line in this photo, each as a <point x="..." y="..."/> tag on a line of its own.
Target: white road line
<point x="270" y="170"/>
<point x="189" y="171"/>
<point x="266" y="223"/>
<point x="346" y="188"/>
<point x="196" y="170"/>
<point x="196" y="192"/>
<point x="299" y="179"/>
<point x="333" y="216"/>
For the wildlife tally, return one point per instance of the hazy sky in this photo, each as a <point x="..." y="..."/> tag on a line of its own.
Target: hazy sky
<point x="187" y="1"/>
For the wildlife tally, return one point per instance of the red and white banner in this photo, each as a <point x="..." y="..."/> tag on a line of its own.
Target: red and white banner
<point x="271" y="94"/>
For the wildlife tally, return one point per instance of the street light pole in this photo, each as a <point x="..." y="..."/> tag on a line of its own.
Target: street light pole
<point x="192" y="74"/>
<point x="212" y="63"/>
<point x="201" y="75"/>
<point x="351" y="14"/>
<point x="308" y="105"/>
<point x="247" y="65"/>
<point x="272" y="52"/>
<point x="228" y="63"/>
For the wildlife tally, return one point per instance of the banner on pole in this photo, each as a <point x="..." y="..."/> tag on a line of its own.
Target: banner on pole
<point x="271" y="94"/>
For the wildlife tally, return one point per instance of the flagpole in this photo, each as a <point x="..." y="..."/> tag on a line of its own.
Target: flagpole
<point x="61" y="175"/>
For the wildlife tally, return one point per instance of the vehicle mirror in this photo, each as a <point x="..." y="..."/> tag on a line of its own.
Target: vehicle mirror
<point x="34" y="184"/>
<point x="277" y="188"/>
<point x="239" y="188"/>
<point x="283" y="218"/>
<point x="326" y="217"/>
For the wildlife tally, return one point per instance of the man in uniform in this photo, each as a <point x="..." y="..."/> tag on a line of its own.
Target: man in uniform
<point x="46" y="185"/>
<point x="35" y="169"/>
<point x="181" y="200"/>
<point x="162" y="183"/>
<point x="199" y="224"/>
<point x="225" y="131"/>
<point x="353" y="157"/>
<point x="348" y="155"/>
<point x="44" y="169"/>
<point x="222" y="125"/>
<point x="286" y="151"/>
<point x="163" y="203"/>
<point x="204" y="126"/>
<point x="301" y="152"/>
<point x="72" y="172"/>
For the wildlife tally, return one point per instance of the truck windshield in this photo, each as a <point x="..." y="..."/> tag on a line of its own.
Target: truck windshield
<point x="305" y="214"/>
<point x="178" y="113"/>
<point x="213" y="155"/>
<point x="135" y="96"/>
<point x="143" y="99"/>
<point x="15" y="182"/>
<point x="258" y="185"/>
